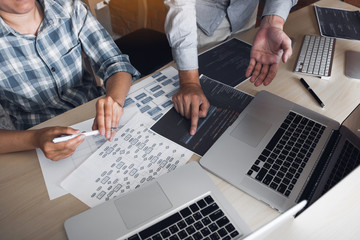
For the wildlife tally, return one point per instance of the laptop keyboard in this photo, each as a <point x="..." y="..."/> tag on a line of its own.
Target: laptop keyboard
<point x="201" y="220"/>
<point x="284" y="158"/>
<point x="348" y="160"/>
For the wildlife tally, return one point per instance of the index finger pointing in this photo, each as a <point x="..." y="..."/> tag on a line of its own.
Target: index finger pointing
<point x="194" y="118"/>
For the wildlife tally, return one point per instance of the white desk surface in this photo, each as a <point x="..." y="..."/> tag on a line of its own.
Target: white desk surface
<point x="27" y="213"/>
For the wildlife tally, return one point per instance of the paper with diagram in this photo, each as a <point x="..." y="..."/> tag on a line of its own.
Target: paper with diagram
<point x="135" y="156"/>
<point x="151" y="96"/>
<point x="55" y="172"/>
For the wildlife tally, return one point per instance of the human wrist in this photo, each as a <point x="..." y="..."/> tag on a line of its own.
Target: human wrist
<point x="272" y="21"/>
<point x="32" y="138"/>
<point x="120" y="101"/>
<point x="189" y="77"/>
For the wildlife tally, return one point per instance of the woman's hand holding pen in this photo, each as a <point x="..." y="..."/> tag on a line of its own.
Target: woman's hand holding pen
<point x="56" y="151"/>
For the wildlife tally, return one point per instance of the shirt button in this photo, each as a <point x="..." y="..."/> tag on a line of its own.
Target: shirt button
<point x="53" y="69"/>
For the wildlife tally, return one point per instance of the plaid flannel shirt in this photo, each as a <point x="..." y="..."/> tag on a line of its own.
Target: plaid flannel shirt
<point x="42" y="76"/>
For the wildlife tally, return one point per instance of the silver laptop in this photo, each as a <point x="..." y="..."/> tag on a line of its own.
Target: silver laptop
<point x="281" y="153"/>
<point x="176" y="205"/>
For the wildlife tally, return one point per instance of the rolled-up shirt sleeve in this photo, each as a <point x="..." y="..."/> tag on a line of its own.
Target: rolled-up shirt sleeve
<point x="181" y="31"/>
<point x="103" y="54"/>
<point x="280" y="8"/>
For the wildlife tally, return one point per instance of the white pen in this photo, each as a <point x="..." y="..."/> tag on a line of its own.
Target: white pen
<point x="68" y="137"/>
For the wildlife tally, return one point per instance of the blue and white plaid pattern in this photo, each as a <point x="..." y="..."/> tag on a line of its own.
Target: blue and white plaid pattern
<point x="42" y="76"/>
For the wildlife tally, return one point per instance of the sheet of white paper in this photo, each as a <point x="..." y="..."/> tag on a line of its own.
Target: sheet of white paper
<point x="152" y="96"/>
<point x="55" y="172"/>
<point x="135" y="156"/>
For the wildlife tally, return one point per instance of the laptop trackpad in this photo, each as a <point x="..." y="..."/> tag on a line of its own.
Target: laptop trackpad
<point x="250" y="130"/>
<point x="140" y="206"/>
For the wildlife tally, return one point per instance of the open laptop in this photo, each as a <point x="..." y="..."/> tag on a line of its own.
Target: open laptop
<point x="282" y="153"/>
<point x="183" y="204"/>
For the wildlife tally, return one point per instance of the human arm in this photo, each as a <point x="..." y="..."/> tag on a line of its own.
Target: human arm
<point x="271" y="44"/>
<point x="15" y="140"/>
<point x="110" y="65"/>
<point x="181" y="30"/>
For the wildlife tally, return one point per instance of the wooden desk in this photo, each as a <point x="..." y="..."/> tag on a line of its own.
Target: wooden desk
<point x="27" y="213"/>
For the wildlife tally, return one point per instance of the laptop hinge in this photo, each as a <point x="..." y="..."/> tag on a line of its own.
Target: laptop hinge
<point x="321" y="166"/>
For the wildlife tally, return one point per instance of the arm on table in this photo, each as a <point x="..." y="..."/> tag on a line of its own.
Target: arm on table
<point x="181" y="30"/>
<point x="14" y="141"/>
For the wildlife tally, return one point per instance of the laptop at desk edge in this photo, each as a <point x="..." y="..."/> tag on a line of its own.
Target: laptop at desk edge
<point x="132" y="213"/>
<point x="112" y="220"/>
<point x="240" y="146"/>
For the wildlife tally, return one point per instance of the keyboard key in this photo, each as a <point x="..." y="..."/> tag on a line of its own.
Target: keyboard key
<point x="173" y="229"/>
<point x="135" y="237"/>
<point x="160" y="226"/>
<point x="201" y="203"/>
<point x="222" y="221"/>
<point x="213" y="227"/>
<point x="197" y="216"/>
<point x="216" y="215"/>
<point x="214" y="236"/>
<point x="189" y="220"/>
<point x="206" y="221"/>
<point x="182" y="234"/>
<point x="194" y="207"/>
<point x="165" y="233"/>
<point x="275" y="139"/>
<point x="185" y="212"/>
<point x="261" y="174"/>
<point x="181" y="224"/>
<point x="198" y="225"/>
<point x="209" y="199"/>
<point x="234" y="234"/>
<point x="156" y="237"/>
<point x="274" y="186"/>
<point x="267" y="179"/>
<point x="255" y="168"/>
<point x="197" y="236"/>
<point x="174" y="237"/>
<point x="209" y="209"/>
<point x="205" y="232"/>
<point x="190" y="230"/>
<point x="222" y="232"/>
<point x="281" y="188"/>
<point x="229" y="227"/>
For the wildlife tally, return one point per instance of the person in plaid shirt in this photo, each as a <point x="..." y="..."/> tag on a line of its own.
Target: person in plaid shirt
<point x="42" y="72"/>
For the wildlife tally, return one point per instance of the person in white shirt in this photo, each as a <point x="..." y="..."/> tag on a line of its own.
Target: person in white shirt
<point x="194" y="24"/>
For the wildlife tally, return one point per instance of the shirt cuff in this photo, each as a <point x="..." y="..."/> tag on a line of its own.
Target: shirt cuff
<point x="185" y="58"/>
<point x="278" y="8"/>
<point x="120" y="64"/>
